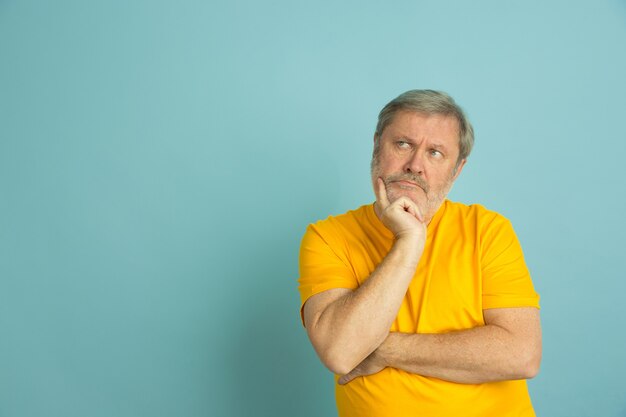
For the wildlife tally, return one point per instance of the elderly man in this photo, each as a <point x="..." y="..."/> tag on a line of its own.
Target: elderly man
<point x="419" y="305"/>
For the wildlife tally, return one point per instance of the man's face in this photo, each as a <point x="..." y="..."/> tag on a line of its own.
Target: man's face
<point x="417" y="158"/>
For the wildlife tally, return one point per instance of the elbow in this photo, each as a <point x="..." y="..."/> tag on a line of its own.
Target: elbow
<point x="341" y="360"/>
<point x="338" y="369"/>
<point x="529" y="365"/>
<point x="333" y="356"/>
<point x="531" y="369"/>
<point x="338" y="355"/>
<point x="337" y="362"/>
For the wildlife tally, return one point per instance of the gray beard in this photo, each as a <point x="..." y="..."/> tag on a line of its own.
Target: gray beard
<point x="433" y="199"/>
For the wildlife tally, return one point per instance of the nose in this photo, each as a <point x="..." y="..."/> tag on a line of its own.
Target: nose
<point x="414" y="164"/>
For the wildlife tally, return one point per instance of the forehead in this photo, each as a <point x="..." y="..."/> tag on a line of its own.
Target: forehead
<point x="418" y="126"/>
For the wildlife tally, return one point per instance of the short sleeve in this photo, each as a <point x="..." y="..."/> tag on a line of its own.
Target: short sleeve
<point x="323" y="264"/>
<point x="506" y="280"/>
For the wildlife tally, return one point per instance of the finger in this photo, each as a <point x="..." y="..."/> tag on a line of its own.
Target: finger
<point x="346" y="378"/>
<point x="412" y="208"/>
<point x="381" y="192"/>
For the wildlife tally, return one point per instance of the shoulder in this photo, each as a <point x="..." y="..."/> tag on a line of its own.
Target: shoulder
<point x="333" y="237"/>
<point x="476" y="220"/>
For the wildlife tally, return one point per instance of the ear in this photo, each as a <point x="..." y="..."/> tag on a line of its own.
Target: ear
<point x="458" y="169"/>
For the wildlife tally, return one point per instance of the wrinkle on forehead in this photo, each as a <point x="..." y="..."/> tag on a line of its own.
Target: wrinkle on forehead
<point x="427" y="126"/>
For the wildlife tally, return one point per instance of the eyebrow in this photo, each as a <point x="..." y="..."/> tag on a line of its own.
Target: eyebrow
<point x="436" y="145"/>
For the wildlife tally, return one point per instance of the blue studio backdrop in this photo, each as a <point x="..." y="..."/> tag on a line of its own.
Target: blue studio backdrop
<point x="159" y="162"/>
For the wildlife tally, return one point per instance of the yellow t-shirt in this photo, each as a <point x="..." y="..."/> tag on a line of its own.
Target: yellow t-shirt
<point x="472" y="261"/>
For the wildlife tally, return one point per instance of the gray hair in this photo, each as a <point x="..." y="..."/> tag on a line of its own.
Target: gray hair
<point x="428" y="102"/>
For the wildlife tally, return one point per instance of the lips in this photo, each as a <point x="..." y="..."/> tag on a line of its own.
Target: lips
<point x="408" y="181"/>
<point x="405" y="183"/>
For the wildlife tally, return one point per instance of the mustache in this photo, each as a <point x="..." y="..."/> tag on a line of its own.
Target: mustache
<point x="407" y="177"/>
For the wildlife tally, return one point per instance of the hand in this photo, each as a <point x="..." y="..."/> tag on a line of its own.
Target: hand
<point x="403" y="217"/>
<point x="370" y="365"/>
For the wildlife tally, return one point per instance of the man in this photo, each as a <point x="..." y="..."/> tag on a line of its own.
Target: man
<point x="421" y="306"/>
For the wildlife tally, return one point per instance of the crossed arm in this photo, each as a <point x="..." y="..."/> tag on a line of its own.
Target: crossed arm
<point x="349" y="329"/>
<point x="507" y="347"/>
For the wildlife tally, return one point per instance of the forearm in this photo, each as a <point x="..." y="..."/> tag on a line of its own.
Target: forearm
<point x="482" y="354"/>
<point x="353" y="326"/>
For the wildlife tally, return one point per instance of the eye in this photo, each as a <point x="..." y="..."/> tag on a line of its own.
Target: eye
<point x="402" y="144"/>
<point x="435" y="153"/>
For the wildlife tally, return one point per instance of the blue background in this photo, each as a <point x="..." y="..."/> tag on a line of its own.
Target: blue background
<point x="159" y="162"/>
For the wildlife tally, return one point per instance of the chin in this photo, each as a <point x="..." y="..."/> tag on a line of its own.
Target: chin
<point x="417" y="197"/>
